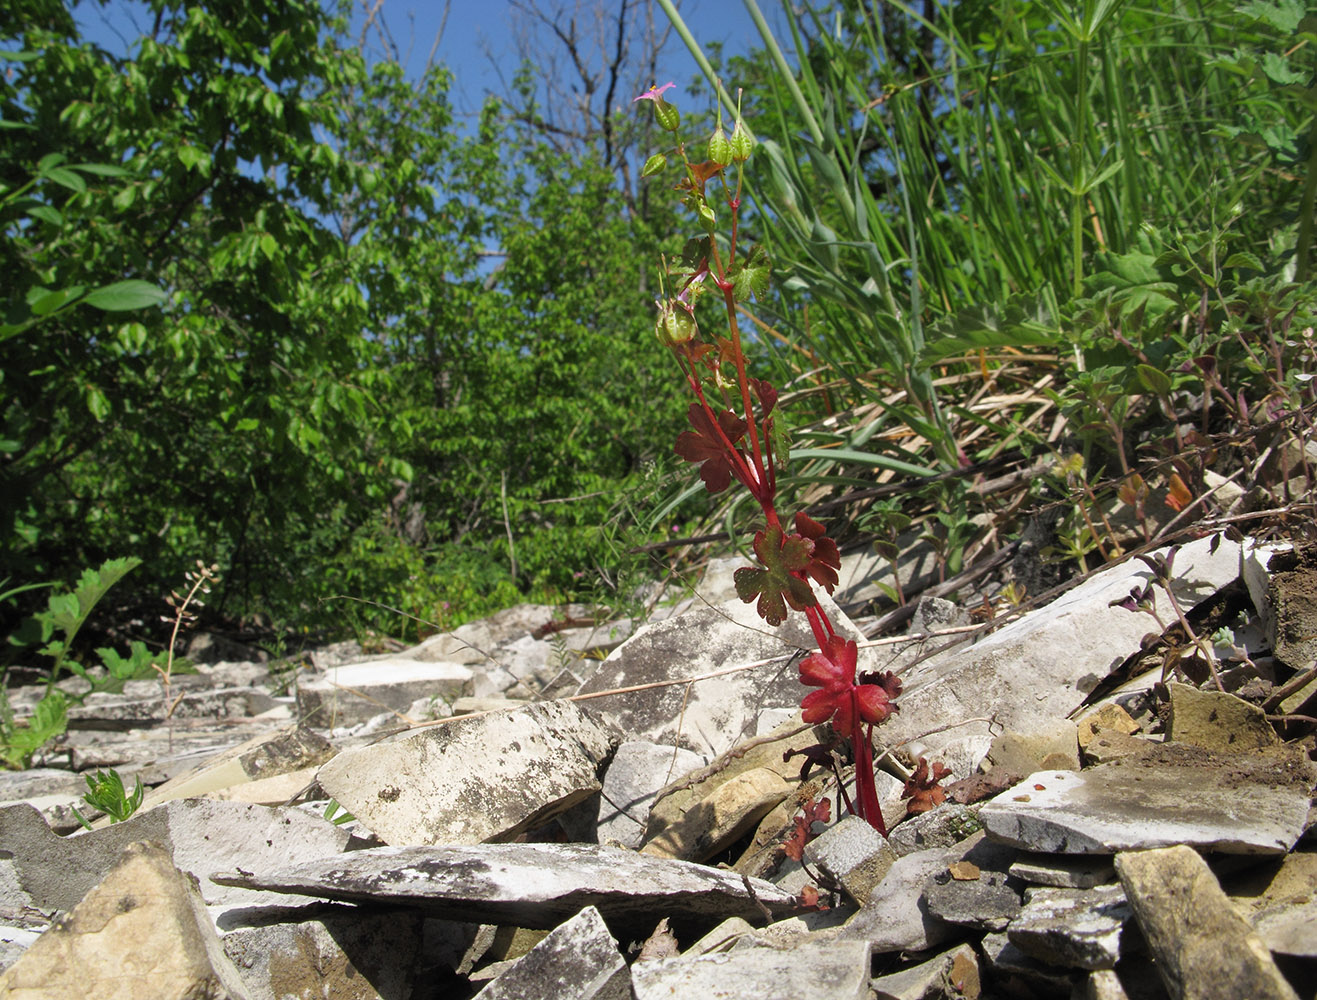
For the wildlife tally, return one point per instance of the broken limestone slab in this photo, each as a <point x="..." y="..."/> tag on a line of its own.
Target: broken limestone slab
<point x="268" y="755"/>
<point x="1280" y="901"/>
<point x="1216" y="720"/>
<point x="811" y="970"/>
<point x="954" y="973"/>
<point x="577" y="960"/>
<point x="474" y="779"/>
<point x="352" y="694"/>
<point x="896" y="918"/>
<point x="698" y="815"/>
<point x="1064" y="871"/>
<point x="1052" y="747"/>
<point x="1199" y="942"/>
<point x="343" y="952"/>
<point x="53" y="872"/>
<point x="1171" y="794"/>
<point x="101" y="710"/>
<point x="1080" y="928"/>
<point x="708" y="716"/>
<point x="1037" y="669"/>
<point x="854" y="855"/>
<point x="639" y="770"/>
<point x="143" y="930"/>
<point x="529" y="885"/>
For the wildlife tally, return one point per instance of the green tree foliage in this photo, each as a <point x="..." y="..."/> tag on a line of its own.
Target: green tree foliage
<point x="334" y="390"/>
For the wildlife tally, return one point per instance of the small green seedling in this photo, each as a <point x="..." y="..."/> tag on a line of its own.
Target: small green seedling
<point x="105" y="792"/>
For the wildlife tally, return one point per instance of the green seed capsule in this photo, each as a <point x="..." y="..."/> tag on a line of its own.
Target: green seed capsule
<point x="666" y="115"/>
<point x="742" y="142"/>
<point x="720" y="147"/>
<point x="656" y="164"/>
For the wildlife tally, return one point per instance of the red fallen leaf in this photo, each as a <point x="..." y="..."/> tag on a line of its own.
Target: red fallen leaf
<point x="824" y="559"/>
<point x="1178" y="496"/>
<point x="810" y="813"/>
<point x="775" y="582"/>
<point x="832" y="668"/>
<point x="809" y="899"/>
<point x="704" y="444"/>
<point x="923" y="790"/>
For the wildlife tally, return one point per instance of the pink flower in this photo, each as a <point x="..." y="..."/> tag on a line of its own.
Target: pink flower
<point x="654" y="93"/>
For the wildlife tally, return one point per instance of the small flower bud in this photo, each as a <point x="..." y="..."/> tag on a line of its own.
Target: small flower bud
<point x="706" y="215"/>
<point x="742" y="142"/>
<point x="720" y="148"/>
<point x="668" y="117"/>
<point x="654" y="165"/>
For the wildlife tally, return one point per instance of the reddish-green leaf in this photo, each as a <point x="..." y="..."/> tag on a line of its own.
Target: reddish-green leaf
<point x="824" y="558"/>
<point x="774" y="582"/>
<point x="705" y="444"/>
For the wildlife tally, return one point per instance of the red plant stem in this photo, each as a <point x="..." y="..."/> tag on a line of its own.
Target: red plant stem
<point x="737" y="460"/>
<point x="865" y="788"/>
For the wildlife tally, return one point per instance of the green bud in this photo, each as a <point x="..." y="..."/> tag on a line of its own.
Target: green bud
<point x="720" y="148"/>
<point x="706" y="215"/>
<point x="742" y="142"/>
<point x="656" y="164"/>
<point x="666" y="115"/>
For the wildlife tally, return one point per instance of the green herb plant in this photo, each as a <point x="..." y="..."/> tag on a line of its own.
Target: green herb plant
<point x="105" y="792"/>
<point x="735" y="435"/>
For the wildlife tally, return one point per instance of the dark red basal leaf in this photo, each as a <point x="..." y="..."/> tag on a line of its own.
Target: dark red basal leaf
<point x="824" y="558"/>
<point x="811" y="812"/>
<point x="842" y="700"/>
<point x="775" y="584"/>
<point x="923" y="790"/>
<point x="704" y="444"/>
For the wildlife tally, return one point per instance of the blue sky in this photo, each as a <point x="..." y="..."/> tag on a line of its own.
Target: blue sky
<point x="478" y="37"/>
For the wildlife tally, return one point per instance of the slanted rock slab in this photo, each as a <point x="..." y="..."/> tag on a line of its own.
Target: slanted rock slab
<point x="578" y="960"/>
<point x="348" y="695"/>
<point x="1200" y="943"/>
<point x="475" y="779"/>
<point x="143" y="931"/>
<point x="529" y="885"/>
<point x="55" y="872"/>
<point x="1217" y="720"/>
<point x="837" y="970"/>
<point x="1171" y="794"/>
<point x="709" y="716"/>
<point x="954" y="973"/>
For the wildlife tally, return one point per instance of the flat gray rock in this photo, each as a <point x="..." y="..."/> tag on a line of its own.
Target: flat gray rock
<point x="578" y="960"/>
<point x="634" y="778"/>
<point x="1072" y="927"/>
<point x="1064" y="871"/>
<point x="811" y="970"/>
<point x="351" y="694"/>
<point x="475" y="779"/>
<point x="1171" y="794"/>
<point x="529" y="885"/>
<point x="52" y="872"/>
<point x="1015" y="675"/>
<point x="710" y="716"/>
<point x="896" y="917"/>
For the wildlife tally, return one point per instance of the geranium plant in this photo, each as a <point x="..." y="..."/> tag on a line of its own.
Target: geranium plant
<point x="735" y="435"/>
